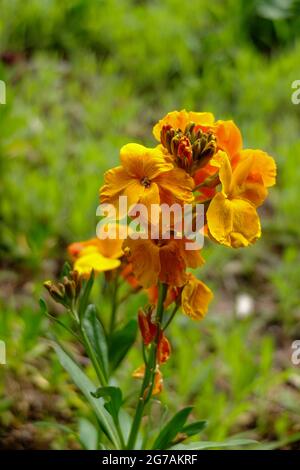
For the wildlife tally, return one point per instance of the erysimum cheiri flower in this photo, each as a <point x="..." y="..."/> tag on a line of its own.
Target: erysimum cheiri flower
<point x="231" y="216"/>
<point x="95" y="254"/>
<point x="145" y="177"/>
<point x="163" y="260"/>
<point x="229" y="180"/>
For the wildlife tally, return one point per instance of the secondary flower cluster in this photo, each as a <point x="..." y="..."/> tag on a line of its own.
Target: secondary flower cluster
<point x="196" y="160"/>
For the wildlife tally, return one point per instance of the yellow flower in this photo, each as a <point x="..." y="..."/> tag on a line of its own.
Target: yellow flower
<point x="231" y="216"/>
<point x="164" y="260"/>
<point x="195" y="298"/>
<point x="95" y="254"/>
<point x="145" y="177"/>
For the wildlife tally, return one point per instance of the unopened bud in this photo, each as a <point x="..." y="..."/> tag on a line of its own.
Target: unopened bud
<point x="56" y="290"/>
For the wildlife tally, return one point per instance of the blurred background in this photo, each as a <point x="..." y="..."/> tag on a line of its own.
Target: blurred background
<point x="84" y="77"/>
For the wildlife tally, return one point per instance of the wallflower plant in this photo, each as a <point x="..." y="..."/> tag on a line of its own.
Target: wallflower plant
<point x="196" y="160"/>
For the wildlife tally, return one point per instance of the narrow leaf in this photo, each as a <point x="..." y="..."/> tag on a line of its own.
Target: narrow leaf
<point x="96" y="336"/>
<point x="120" y="342"/>
<point x="66" y="269"/>
<point x="171" y="429"/>
<point x="88" y="434"/>
<point x="84" y="297"/>
<point x="214" y="445"/>
<point x="194" y="428"/>
<point x="87" y="386"/>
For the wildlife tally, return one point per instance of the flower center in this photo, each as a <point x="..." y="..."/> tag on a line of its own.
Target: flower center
<point x="192" y="148"/>
<point x="145" y="182"/>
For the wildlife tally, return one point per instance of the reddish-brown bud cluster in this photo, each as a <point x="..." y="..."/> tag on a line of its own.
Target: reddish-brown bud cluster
<point x="191" y="149"/>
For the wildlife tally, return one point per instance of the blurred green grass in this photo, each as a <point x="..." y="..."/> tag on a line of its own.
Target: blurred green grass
<point x="84" y="78"/>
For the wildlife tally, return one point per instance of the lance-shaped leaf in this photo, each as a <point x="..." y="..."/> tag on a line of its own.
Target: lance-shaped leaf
<point x="215" y="445"/>
<point x="88" y="434"/>
<point x="95" y="335"/>
<point x="120" y="342"/>
<point x="87" y="386"/>
<point x="194" y="428"/>
<point x="171" y="429"/>
<point x="85" y="295"/>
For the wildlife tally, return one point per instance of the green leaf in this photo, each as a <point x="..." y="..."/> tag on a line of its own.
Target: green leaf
<point x="214" y="445"/>
<point x="43" y="305"/>
<point x="194" y="428"/>
<point x="114" y="399"/>
<point x="55" y="425"/>
<point x="171" y="429"/>
<point x="85" y="295"/>
<point x="279" y="444"/>
<point x="87" y="386"/>
<point x="88" y="434"/>
<point x="120" y="342"/>
<point x="96" y="337"/>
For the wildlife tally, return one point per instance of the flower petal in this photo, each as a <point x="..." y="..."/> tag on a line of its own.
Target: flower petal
<point x="233" y="222"/>
<point x="175" y="186"/>
<point x="179" y="120"/>
<point x="229" y="137"/>
<point x="172" y="264"/>
<point x="140" y="161"/>
<point x="92" y="260"/>
<point x="144" y="256"/>
<point x="195" y="298"/>
<point x="263" y="166"/>
<point x="115" y="182"/>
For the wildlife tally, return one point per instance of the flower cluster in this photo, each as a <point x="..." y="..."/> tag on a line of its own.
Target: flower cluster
<point x="196" y="160"/>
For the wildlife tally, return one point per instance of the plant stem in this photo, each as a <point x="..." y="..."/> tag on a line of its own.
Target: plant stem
<point x="113" y="306"/>
<point x="171" y="317"/>
<point x="150" y="366"/>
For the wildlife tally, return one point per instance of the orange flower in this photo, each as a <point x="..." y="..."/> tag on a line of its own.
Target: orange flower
<point x="95" y="254"/>
<point x="193" y="138"/>
<point x="164" y="260"/>
<point x="195" y="298"/>
<point x="145" y="177"/>
<point x="180" y="119"/>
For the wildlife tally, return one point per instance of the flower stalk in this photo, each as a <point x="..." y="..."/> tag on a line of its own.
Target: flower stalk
<point x="150" y="369"/>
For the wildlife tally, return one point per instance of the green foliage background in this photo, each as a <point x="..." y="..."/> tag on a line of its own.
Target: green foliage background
<point x="85" y="77"/>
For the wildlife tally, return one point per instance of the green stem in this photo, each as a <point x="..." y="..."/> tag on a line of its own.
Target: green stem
<point x="171" y="317"/>
<point x="113" y="307"/>
<point x="150" y="366"/>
